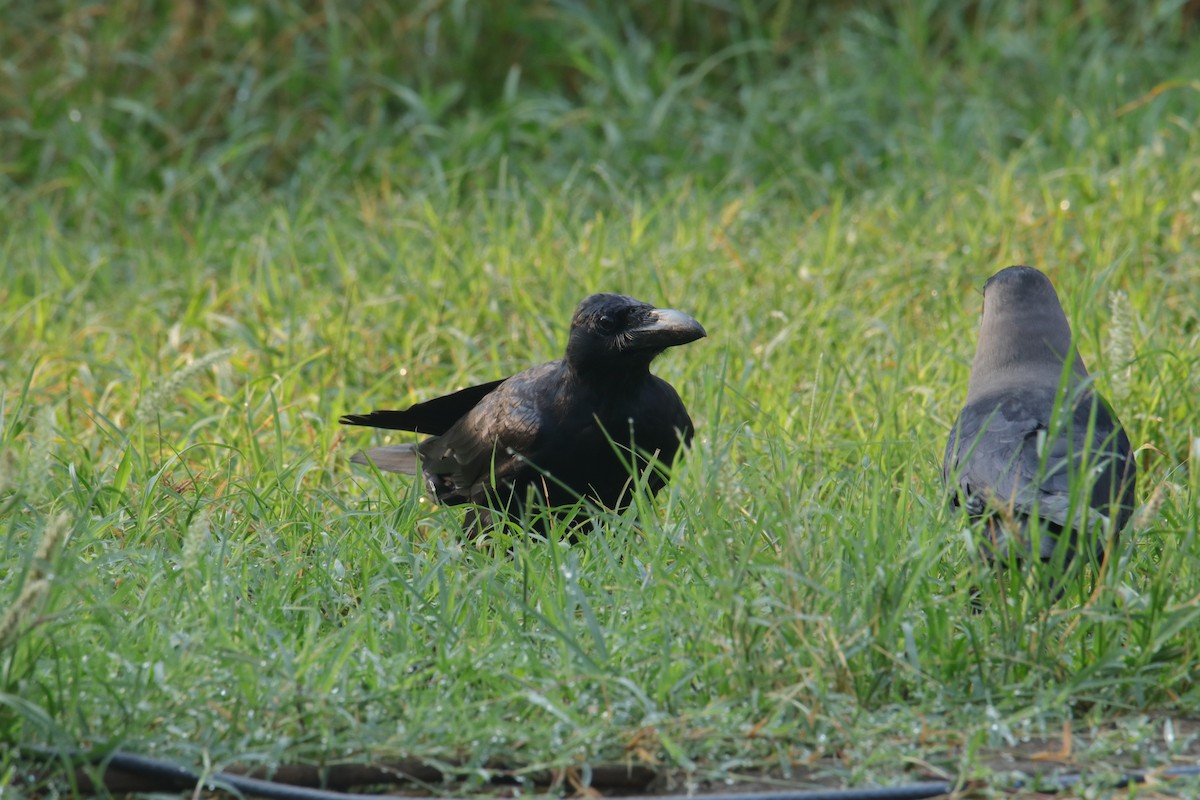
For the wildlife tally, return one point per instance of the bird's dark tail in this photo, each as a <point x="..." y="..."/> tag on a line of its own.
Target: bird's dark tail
<point x="433" y="417"/>
<point x="392" y="420"/>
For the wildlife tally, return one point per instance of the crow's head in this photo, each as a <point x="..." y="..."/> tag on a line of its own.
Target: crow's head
<point x="615" y="332"/>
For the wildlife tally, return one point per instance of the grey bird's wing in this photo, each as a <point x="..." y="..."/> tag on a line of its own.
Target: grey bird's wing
<point x="1007" y="455"/>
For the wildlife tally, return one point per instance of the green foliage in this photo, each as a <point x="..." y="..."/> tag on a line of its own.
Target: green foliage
<point x="226" y="225"/>
<point x="134" y="105"/>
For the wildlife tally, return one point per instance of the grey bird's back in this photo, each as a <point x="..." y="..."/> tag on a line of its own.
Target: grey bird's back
<point x="1034" y="438"/>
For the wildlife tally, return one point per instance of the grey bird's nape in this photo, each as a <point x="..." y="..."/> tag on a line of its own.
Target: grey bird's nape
<point x="1024" y="336"/>
<point x="1034" y="442"/>
<point x="586" y="427"/>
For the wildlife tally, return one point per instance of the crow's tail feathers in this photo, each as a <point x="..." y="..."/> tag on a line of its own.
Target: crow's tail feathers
<point x="400" y="458"/>
<point x="392" y="420"/>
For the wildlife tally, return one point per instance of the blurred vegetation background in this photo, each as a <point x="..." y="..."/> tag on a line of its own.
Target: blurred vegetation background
<point x="191" y="99"/>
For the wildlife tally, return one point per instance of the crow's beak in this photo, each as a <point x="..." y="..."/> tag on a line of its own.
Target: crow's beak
<point x="666" y="328"/>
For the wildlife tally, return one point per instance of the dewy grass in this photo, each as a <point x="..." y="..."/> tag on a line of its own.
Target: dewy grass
<point x="234" y="591"/>
<point x="1120" y="345"/>
<point x="158" y="395"/>
<point x="21" y="615"/>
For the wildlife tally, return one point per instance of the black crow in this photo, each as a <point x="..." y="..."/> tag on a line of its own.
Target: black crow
<point x="580" y="427"/>
<point x="1033" y="429"/>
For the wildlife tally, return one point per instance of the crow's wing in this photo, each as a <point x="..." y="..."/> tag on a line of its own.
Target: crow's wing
<point x="492" y="446"/>
<point x="545" y="428"/>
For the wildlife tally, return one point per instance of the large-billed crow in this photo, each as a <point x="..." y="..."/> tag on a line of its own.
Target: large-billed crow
<point x="1035" y="438"/>
<point x="580" y="427"/>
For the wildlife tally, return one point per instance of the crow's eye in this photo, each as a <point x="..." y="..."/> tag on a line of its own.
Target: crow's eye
<point x="606" y="324"/>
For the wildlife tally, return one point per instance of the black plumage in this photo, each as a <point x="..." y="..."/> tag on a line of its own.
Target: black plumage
<point x="580" y="427"/>
<point x="1034" y="427"/>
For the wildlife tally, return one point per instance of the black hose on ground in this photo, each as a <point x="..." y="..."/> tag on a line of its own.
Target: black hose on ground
<point x="129" y="772"/>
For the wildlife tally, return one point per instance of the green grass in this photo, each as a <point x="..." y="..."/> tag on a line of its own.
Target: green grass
<point x="195" y="290"/>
